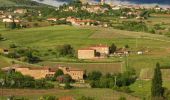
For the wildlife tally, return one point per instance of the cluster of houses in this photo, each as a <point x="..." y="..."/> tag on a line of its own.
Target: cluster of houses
<point x="102" y="51"/>
<point x="78" y="21"/>
<point x="135" y="10"/>
<point x="44" y="72"/>
<point x="8" y="16"/>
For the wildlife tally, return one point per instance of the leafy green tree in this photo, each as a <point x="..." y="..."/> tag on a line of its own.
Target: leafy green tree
<point x="1" y="38"/>
<point x="67" y="78"/>
<point x="122" y="98"/>
<point x="67" y="85"/>
<point x="95" y="75"/>
<point x="156" y="89"/>
<point x="12" y="25"/>
<point x="59" y="72"/>
<point x="66" y="50"/>
<point x="112" y="48"/>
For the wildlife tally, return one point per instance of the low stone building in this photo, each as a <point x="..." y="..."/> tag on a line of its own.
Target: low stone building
<point x="102" y="49"/>
<point x="96" y="51"/>
<point x="86" y="53"/>
<point x="35" y="72"/>
<point x="76" y="74"/>
<point x="20" y="11"/>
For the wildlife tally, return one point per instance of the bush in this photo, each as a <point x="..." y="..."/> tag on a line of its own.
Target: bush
<point x="48" y="98"/>
<point x="122" y="98"/>
<point x="95" y="75"/>
<point x="59" y="72"/>
<point x="66" y="50"/>
<point x="125" y="89"/>
<point x="86" y="98"/>
<point x="67" y="85"/>
<point x="12" y="46"/>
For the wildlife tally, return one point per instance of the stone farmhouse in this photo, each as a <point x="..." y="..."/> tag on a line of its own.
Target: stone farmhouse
<point x="10" y="20"/>
<point x="35" y="72"/>
<point x="78" y="22"/>
<point x="76" y="74"/>
<point x="52" y="19"/>
<point x="97" y="51"/>
<point x="20" y="11"/>
<point x="43" y="72"/>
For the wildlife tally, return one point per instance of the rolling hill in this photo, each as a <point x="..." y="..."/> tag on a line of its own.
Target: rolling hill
<point x="8" y="3"/>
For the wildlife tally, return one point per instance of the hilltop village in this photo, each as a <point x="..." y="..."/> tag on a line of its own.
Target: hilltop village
<point x="84" y="51"/>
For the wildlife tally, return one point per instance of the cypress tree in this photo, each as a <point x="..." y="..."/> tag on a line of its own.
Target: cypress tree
<point x="156" y="89"/>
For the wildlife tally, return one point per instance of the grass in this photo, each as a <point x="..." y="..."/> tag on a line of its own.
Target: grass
<point x="89" y="67"/>
<point x="45" y="38"/>
<point x="98" y="94"/>
<point x="142" y="88"/>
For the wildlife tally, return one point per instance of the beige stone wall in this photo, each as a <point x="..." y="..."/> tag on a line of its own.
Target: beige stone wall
<point x="75" y="74"/>
<point x="102" y="50"/>
<point x="86" y="54"/>
<point x="37" y="74"/>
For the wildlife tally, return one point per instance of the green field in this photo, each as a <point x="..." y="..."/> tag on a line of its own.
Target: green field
<point x="98" y="94"/>
<point x="45" y="38"/>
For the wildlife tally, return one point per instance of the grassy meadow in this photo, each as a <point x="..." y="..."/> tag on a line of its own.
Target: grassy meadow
<point x="45" y="38"/>
<point x="98" y="94"/>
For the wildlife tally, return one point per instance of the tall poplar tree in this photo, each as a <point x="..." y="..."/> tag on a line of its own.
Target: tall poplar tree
<point x="156" y="89"/>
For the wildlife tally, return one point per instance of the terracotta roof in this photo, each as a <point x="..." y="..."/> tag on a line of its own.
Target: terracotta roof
<point x="100" y="45"/>
<point x="86" y="49"/>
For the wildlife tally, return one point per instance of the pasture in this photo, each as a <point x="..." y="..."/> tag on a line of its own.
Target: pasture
<point x="45" y="38"/>
<point x="98" y="94"/>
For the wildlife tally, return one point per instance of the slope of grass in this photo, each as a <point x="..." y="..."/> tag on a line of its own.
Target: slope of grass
<point x="98" y="94"/>
<point x="7" y="3"/>
<point x="45" y="38"/>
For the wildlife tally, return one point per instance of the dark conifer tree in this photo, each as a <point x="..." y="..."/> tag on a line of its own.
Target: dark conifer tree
<point x="156" y="89"/>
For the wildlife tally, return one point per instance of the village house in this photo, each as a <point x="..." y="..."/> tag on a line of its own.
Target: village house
<point x="76" y="74"/>
<point x="52" y="19"/>
<point x="20" y="11"/>
<point x="95" y="9"/>
<point x="86" y="53"/>
<point x="96" y="51"/>
<point x="10" y="20"/>
<point x="121" y="52"/>
<point x="79" y="22"/>
<point x="43" y="72"/>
